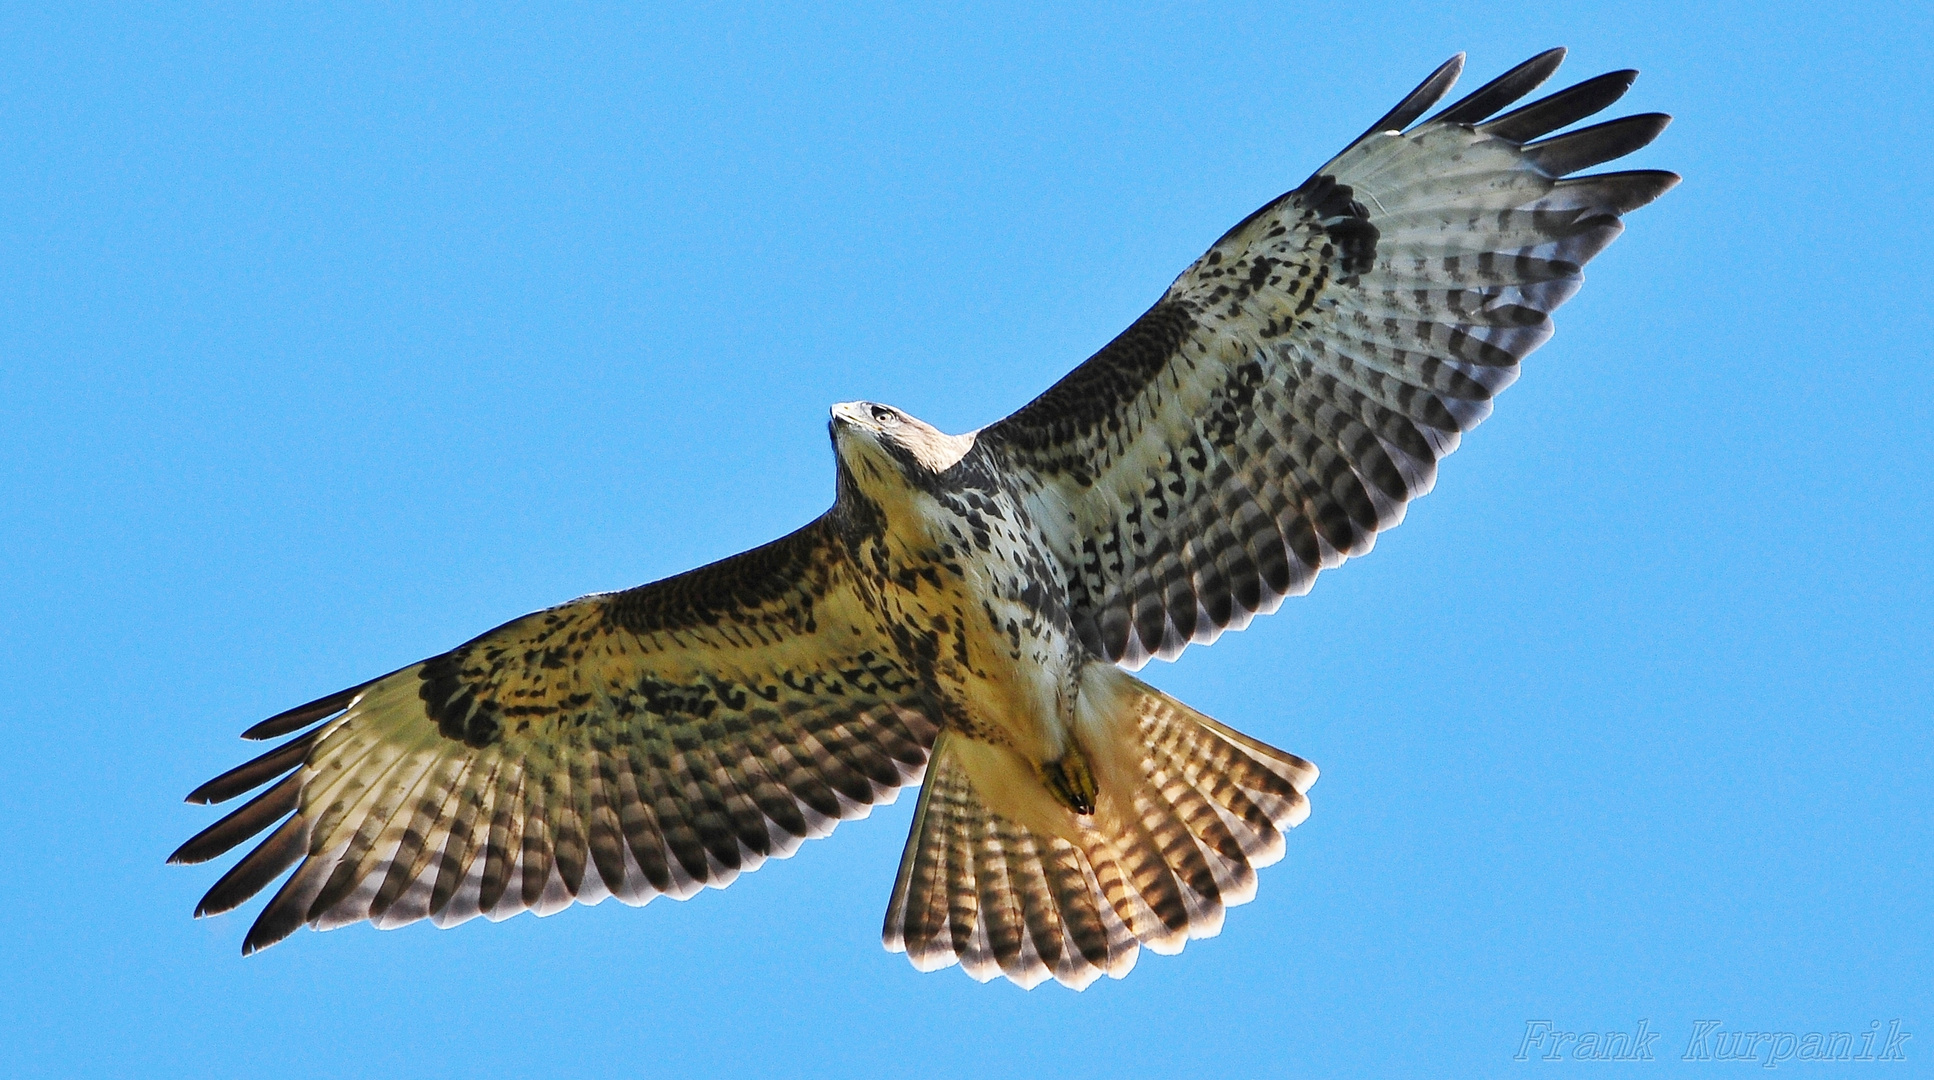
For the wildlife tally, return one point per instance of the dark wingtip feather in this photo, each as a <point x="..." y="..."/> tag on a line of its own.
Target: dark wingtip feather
<point x="1661" y="182"/>
<point x="1427" y="93"/>
<point x="283" y="916"/>
<point x="255" y="773"/>
<point x="1503" y="90"/>
<point x="280" y="851"/>
<point x="254" y="816"/>
<point x="1624" y="192"/>
<point x="1567" y="106"/>
<point x="301" y="716"/>
<point x="261" y="937"/>
<point x="1597" y="144"/>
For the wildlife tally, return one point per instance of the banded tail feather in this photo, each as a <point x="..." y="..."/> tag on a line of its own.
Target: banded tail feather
<point x="1188" y="809"/>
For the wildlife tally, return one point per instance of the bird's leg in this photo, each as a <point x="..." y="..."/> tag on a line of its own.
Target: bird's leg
<point x="1070" y="781"/>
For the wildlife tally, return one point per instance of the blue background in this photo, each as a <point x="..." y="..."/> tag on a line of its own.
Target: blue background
<point x="331" y="337"/>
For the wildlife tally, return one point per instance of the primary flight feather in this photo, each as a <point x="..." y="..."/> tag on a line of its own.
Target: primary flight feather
<point x="969" y="608"/>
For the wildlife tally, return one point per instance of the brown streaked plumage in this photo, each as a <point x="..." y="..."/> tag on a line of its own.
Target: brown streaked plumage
<point x="966" y="608"/>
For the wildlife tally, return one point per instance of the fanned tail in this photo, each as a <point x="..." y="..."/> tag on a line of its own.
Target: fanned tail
<point x="1002" y="880"/>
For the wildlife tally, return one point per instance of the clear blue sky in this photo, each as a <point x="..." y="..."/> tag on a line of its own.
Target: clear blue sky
<point x="332" y="337"/>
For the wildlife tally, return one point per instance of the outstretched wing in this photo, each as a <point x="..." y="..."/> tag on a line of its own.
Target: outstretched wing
<point x="625" y="744"/>
<point x="1295" y="388"/>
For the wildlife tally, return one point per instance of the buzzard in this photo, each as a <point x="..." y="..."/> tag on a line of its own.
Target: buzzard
<point x="969" y="610"/>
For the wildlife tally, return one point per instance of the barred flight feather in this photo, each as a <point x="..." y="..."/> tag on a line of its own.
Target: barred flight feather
<point x="622" y="745"/>
<point x="1295" y="389"/>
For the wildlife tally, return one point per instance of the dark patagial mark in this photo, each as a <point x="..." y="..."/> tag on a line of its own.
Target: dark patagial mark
<point x="451" y="700"/>
<point x="1344" y="220"/>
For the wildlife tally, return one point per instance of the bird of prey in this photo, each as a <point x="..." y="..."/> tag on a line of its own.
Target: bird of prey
<point x="969" y="610"/>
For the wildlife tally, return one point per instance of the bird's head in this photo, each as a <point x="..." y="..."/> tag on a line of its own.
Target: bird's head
<point x="870" y="438"/>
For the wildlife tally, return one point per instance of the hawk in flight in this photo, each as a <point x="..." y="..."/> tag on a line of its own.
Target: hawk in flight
<point x="971" y="607"/>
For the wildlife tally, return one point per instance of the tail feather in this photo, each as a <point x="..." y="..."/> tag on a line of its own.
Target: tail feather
<point x="1151" y="900"/>
<point x="1235" y="878"/>
<point x="1002" y="880"/>
<point x="1000" y="907"/>
<point x="1092" y="945"/>
<point x="1039" y="919"/>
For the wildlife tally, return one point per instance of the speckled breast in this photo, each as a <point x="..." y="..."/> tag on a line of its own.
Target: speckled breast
<point x="985" y="611"/>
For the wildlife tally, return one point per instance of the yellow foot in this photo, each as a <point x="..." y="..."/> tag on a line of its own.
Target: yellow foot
<point x="1070" y="781"/>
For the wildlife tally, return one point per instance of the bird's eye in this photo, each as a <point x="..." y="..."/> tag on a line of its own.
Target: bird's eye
<point x="884" y="415"/>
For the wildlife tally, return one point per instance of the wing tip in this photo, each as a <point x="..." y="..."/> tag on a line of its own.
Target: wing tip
<point x="273" y="926"/>
<point x="290" y="720"/>
<point x="1414" y="104"/>
<point x="1503" y="90"/>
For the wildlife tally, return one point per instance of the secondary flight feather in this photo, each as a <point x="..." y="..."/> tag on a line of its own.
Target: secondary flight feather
<point x="969" y="609"/>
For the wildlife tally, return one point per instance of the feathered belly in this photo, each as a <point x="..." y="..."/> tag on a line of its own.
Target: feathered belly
<point x="980" y="600"/>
